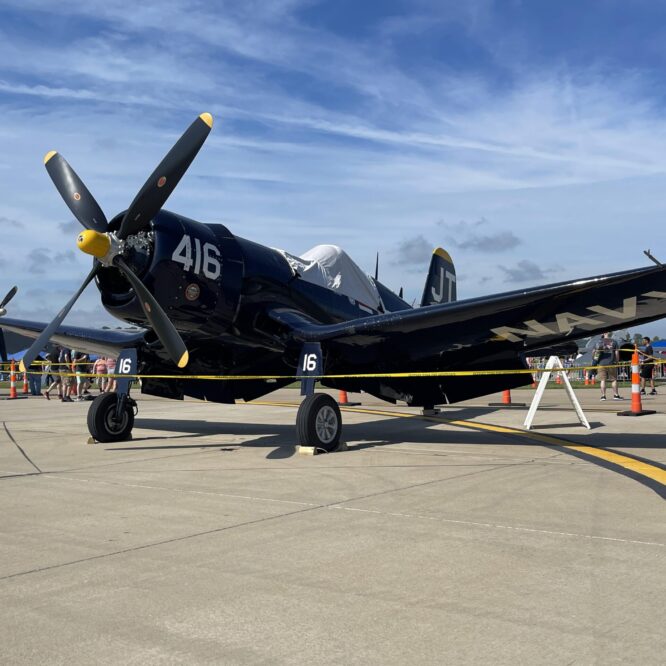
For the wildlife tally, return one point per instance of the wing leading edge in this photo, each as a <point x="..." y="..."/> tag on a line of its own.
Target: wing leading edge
<point x="89" y="340"/>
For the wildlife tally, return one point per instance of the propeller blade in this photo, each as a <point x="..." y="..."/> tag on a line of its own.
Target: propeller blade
<point x="377" y="267"/>
<point x="161" y="183"/>
<point x="76" y="195"/>
<point x="3" y="348"/>
<point x="158" y="319"/>
<point x="46" y="334"/>
<point x="10" y="294"/>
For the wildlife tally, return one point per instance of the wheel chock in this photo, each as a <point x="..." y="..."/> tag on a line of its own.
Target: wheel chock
<point x="92" y="440"/>
<point x="315" y="451"/>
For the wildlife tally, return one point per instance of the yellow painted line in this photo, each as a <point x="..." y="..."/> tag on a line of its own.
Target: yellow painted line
<point x="637" y="466"/>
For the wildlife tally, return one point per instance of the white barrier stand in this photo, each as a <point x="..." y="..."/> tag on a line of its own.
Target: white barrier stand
<point x="554" y="365"/>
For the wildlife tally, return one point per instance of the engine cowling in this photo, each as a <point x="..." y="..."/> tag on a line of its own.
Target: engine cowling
<point x="194" y="270"/>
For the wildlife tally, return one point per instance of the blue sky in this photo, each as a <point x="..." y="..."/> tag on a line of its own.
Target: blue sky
<point x="527" y="138"/>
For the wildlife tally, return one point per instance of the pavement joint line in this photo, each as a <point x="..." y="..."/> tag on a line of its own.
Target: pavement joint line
<point x="487" y="468"/>
<point x="307" y="508"/>
<point x="500" y="526"/>
<point x="339" y="506"/>
<point x="23" y="453"/>
<point x="184" y="491"/>
<point x="154" y="544"/>
<point x="333" y="506"/>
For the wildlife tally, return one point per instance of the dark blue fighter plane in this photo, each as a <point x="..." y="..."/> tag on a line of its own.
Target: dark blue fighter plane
<point x="211" y="302"/>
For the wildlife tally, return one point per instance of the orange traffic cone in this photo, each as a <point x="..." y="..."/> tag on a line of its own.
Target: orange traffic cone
<point x="506" y="401"/>
<point x="12" y="381"/>
<point x="587" y="379"/>
<point x="26" y="388"/>
<point x="636" y="405"/>
<point x="343" y="400"/>
<point x="558" y="378"/>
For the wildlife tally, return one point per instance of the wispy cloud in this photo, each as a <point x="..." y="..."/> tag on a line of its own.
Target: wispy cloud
<point x="10" y="223"/>
<point x="412" y="253"/>
<point x="41" y="260"/>
<point x="527" y="271"/>
<point x="466" y="236"/>
<point x="70" y="227"/>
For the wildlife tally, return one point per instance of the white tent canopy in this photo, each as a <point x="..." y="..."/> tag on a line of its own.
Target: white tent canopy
<point x="330" y="266"/>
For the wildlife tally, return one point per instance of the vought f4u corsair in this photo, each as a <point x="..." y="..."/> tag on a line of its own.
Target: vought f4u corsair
<point x="212" y="303"/>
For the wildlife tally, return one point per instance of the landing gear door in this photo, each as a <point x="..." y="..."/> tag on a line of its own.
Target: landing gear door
<point x="126" y="365"/>
<point x="310" y="366"/>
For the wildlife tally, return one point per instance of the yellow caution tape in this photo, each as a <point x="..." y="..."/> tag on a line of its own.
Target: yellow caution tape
<point x="368" y="375"/>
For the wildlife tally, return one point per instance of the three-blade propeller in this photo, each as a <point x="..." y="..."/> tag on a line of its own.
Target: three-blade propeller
<point x="107" y="248"/>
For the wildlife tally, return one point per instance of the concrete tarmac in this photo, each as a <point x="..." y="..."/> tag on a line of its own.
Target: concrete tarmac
<point x="208" y="539"/>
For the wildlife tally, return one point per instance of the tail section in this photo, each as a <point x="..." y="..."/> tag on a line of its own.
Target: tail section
<point x="440" y="286"/>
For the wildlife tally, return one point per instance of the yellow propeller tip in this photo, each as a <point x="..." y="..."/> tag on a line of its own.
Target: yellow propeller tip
<point x="49" y="155"/>
<point x="21" y="366"/>
<point x="184" y="359"/>
<point x="207" y="118"/>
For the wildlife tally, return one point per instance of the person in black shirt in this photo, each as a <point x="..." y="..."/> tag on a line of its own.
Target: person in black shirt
<point x="646" y="354"/>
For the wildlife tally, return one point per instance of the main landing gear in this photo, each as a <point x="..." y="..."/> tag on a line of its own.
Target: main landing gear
<point x="111" y="417"/>
<point x="319" y="423"/>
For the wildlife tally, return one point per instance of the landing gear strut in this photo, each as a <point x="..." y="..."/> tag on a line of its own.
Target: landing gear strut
<point x="319" y="423"/>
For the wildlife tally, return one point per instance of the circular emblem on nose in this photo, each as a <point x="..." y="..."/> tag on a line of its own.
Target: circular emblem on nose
<point x="161" y="181"/>
<point x="192" y="292"/>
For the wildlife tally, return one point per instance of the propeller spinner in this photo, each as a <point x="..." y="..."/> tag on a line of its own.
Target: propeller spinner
<point x="107" y="247"/>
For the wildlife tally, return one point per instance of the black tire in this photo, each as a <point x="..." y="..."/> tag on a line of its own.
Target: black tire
<point x="101" y="419"/>
<point x="319" y="423"/>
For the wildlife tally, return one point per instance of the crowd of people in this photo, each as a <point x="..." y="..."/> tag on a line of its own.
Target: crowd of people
<point x="606" y="365"/>
<point x="67" y="372"/>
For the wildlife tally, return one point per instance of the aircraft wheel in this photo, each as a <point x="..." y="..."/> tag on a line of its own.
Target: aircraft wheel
<point x="319" y="422"/>
<point x="101" y="419"/>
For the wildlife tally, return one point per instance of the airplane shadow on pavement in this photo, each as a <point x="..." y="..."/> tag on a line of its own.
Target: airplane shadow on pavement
<point x="281" y="437"/>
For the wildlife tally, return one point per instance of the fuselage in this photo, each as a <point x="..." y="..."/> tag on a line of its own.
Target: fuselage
<point x="219" y="289"/>
<point x="216" y="288"/>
